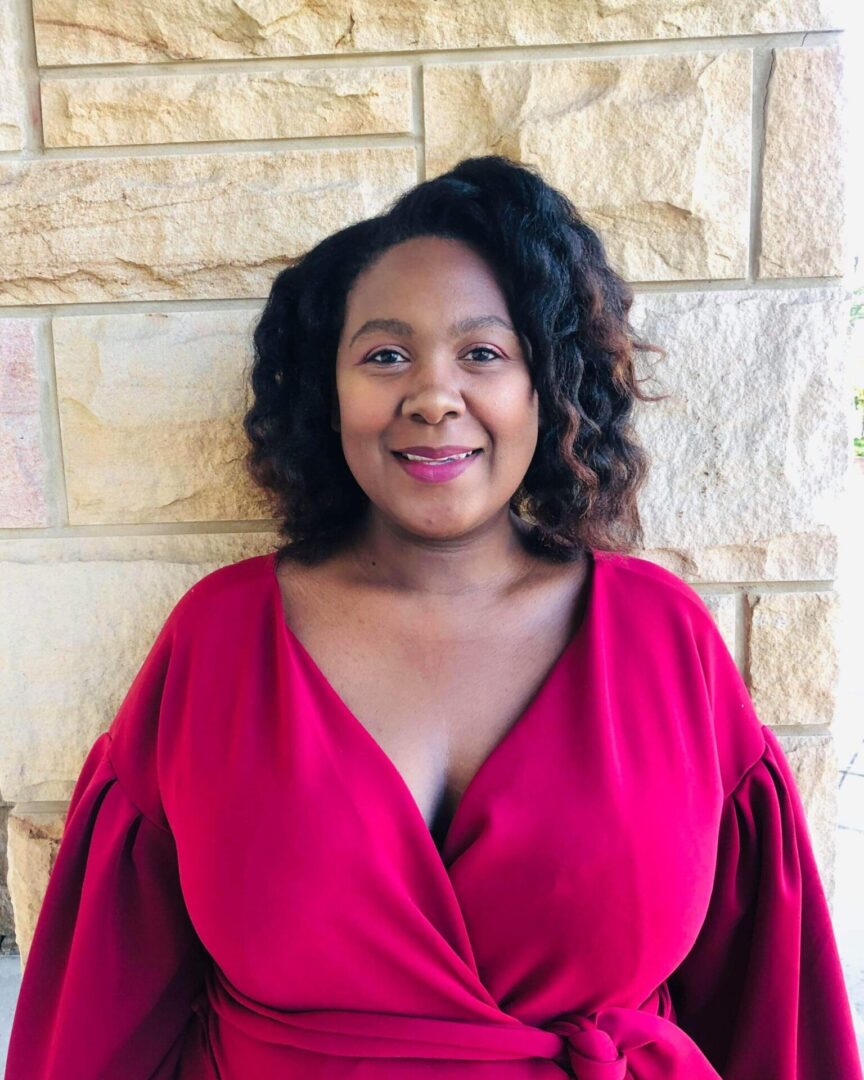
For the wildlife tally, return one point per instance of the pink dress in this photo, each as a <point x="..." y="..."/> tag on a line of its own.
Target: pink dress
<point x="247" y="890"/>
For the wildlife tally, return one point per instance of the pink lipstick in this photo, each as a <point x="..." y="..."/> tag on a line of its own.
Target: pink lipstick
<point x="434" y="473"/>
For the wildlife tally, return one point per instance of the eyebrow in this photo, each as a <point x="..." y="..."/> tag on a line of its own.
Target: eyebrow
<point x="404" y="329"/>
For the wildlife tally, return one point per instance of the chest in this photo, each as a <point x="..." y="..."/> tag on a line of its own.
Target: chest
<point x="582" y="848"/>
<point x="436" y="690"/>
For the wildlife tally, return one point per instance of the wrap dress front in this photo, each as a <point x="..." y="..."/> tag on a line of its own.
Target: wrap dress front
<point x="247" y="890"/>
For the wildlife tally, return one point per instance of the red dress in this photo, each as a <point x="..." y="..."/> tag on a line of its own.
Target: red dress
<point x="246" y="888"/>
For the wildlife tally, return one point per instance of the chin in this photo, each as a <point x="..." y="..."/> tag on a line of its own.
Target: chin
<point x="444" y="526"/>
<point x="437" y="530"/>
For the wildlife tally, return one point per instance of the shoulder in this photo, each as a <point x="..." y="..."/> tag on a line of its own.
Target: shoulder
<point x="227" y="586"/>
<point x="200" y="620"/>
<point x="652" y="587"/>
<point x="657" y="614"/>
<point x="663" y="619"/>
<point x="181" y="679"/>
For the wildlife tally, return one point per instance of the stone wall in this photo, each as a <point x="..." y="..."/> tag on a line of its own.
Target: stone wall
<point x="160" y="160"/>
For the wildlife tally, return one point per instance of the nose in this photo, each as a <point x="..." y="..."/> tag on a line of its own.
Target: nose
<point x="434" y="392"/>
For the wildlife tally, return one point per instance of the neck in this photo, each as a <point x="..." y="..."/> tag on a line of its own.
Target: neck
<point x="488" y="561"/>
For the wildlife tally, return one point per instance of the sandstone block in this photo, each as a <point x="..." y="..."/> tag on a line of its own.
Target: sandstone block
<point x="682" y="213"/>
<point x="749" y="451"/>
<point x="793" y="656"/>
<point x="814" y="766"/>
<point x="238" y="105"/>
<point x="151" y="408"/>
<point x="79" y="615"/>
<point x="23" y="462"/>
<point x="13" y="93"/>
<point x="8" y="945"/>
<point x="34" y="839"/>
<point x="803" y="195"/>
<point x="722" y="607"/>
<point x="142" y="31"/>
<point x="196" y="225"/>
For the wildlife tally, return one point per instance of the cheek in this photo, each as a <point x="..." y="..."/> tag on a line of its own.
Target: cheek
<point x="363" y="414"/>
<point x="516" y="417"/>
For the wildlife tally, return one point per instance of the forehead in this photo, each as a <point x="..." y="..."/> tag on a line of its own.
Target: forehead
<point x="424" y="273"/>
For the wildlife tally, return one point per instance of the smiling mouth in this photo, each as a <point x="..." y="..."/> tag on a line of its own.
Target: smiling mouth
<point x="437" y="461"/>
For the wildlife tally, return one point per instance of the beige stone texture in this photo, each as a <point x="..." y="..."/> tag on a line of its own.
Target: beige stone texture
<point x="79" y="615"/>
<point x="748" y="454"/>
<point x="7" y="917"/>
<point x="793" y="656"/>
<point x="654" y="151"/>
<point x="151" y="410"/>
<point x="34" y="839"/>
<point x="23" y="463"/>
<point x="803" y="196"/>
<point x="141" y="31"/>
<point x="296" y="103"/>
<point x="814" y="765"/>
<point x="722" y="607"/>
<point x="13" y="93"/>
<point x="177" y="226"/>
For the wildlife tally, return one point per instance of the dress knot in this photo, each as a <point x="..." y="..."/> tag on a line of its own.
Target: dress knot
<point x="592" y="1053"/>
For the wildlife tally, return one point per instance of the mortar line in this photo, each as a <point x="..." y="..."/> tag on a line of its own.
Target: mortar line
<point x="419" y="119"/>
<point x="764" y="62"/>
<point x="57" y="485"/>
<point x="215" y="147"/>
<point x="266" y="527"/>
<point x="113" y="306"/>
<point x="612" y="49"/>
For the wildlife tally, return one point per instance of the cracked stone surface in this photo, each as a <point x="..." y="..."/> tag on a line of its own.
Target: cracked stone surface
<point x="65" y="687"/>
<point x="7" y="918"/>
<point x="813" y="761"/>
<point x="683" y="213"/>
<point x="244" y="105"/>
<point x="151" y="410"/>
<point x="24" y="465"/>
<point x="13" y="97"/>
<point x="803" y="196"/>
<point x="749" y="452"/>
<point x="33" y="840"/>
<point x="794" y="664"/>
<point x="167" y="227"/>
<point x="144" y="31"/>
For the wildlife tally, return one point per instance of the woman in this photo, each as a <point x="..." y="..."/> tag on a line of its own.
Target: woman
<point x="452" y="784"/>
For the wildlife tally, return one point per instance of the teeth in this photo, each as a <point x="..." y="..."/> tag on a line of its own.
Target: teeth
<point x="437" y="461"/>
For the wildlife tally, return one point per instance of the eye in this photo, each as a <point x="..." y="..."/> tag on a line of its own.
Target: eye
<point x="373" y="357"/>
<point x="484" y="349"/>
<point x="383" y="352"/>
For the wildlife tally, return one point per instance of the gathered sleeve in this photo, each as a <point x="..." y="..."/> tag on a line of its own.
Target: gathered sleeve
<point x="115" y="967"/>
<point x="762" y="990"/>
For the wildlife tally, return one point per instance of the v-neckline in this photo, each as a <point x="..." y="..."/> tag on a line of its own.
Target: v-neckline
<point x="287" y="635"/>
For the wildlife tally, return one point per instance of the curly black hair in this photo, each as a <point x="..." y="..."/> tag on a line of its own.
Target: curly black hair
<point x="565" y="301"/>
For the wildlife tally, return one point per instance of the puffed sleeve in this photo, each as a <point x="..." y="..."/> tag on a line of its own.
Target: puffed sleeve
<point x="762" y="990"/>
<point x="115" y="966"/>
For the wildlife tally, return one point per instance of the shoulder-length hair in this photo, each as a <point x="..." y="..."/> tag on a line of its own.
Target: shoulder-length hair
<point x="565" y="301"/>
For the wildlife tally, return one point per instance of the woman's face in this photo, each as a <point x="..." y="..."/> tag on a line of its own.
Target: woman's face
<point x="428" y="358"/>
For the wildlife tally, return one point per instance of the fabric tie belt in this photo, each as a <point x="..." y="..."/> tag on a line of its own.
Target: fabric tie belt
<point x="614" y="1043"/>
